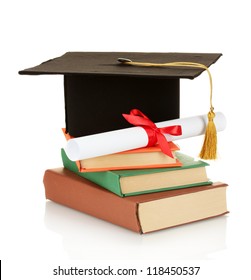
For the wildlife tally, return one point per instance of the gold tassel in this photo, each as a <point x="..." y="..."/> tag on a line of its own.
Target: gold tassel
<point x="209" y="148"/>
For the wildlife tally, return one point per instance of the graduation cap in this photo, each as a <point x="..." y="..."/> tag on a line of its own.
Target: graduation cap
<point x="100" y="86"/>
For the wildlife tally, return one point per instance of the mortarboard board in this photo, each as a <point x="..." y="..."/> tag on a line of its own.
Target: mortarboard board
<point x="98" y="89"/>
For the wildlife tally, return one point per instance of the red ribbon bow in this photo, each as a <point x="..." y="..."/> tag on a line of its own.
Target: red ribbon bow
<point x="155" y="134"/>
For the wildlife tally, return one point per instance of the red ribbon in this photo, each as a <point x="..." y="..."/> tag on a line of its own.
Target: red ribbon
<point x="155" y="134"/>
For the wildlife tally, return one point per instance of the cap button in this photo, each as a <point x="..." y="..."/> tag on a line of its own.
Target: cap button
<point x="124" y="60"/>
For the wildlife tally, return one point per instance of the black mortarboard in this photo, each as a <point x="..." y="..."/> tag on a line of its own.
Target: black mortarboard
<point x="98" y="89"/>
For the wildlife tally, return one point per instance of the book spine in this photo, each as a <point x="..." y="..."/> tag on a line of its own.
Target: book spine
<point x="65" y="187"/>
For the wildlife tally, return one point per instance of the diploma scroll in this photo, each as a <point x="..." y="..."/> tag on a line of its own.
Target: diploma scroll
<point x="135" y="137"/>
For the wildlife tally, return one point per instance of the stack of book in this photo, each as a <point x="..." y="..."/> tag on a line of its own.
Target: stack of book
<point x="142" y="190"/>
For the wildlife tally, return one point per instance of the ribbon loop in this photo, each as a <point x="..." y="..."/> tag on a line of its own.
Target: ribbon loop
<point x="155" y="134"/>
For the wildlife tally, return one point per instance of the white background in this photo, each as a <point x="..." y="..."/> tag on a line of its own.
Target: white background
<point x="37" y="236"/>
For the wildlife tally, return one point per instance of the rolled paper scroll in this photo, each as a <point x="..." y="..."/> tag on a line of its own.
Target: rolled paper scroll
<point x="135" y="137"/>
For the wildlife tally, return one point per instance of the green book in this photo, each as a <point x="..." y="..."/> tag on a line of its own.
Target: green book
<point x="133" y="182"/>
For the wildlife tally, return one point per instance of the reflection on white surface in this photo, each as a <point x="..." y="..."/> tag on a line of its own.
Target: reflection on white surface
<point x="86" y="237"/>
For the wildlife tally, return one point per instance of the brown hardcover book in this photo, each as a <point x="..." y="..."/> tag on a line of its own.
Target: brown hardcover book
<point x="142" y="213"/>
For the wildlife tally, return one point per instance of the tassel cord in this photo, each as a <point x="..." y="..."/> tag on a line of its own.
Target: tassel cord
<point x="178" y="64"/>
<point x="209" y="148"/>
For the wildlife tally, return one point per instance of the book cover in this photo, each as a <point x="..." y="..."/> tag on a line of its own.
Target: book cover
<point x="148" y="157"/>
<point x="142" y="213"/>
<point x="134" y="182"/>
